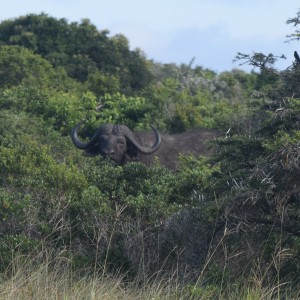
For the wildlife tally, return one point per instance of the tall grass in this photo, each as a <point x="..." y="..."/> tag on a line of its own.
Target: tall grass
<point x="49" y="276"/>
<point x="55" y="279"/>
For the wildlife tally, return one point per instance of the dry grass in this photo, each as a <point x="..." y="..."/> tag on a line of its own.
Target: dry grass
<point x="55" y="279"/>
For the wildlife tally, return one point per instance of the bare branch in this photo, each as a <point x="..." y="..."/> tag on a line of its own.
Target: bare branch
<point x="259" y="60"/>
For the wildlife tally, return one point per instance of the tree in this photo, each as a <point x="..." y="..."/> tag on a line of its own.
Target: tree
<point x="18" y="63"/>
<point x="260" y="175"/>
<point x="80" y="48"/>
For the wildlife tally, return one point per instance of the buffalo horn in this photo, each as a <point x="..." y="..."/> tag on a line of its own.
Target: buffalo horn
<point x="145" y="150"/>
<point x="78" y="143"/>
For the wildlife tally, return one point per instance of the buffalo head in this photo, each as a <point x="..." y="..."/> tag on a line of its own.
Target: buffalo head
<point x="116" y="142"/>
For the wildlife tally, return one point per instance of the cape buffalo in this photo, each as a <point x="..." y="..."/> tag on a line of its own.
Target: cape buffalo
<point x="120" y="144"/>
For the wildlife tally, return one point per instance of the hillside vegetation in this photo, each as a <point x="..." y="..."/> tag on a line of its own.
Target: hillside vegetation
<point x="218" y="223"/>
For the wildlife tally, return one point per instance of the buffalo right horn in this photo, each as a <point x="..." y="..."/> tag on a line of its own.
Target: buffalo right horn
<point x="144" y="149"/>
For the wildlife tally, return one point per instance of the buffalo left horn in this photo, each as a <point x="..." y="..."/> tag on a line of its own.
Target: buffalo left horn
<point x="81" y="145"/>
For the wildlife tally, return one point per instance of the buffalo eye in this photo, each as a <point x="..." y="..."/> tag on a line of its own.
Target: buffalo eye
<point x="103" y="139"/>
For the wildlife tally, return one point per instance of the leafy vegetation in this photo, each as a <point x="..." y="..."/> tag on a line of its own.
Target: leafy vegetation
<point x="235" y="210"/>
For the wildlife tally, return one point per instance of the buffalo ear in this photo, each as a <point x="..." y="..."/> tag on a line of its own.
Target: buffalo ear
<point x="132" y="151"/>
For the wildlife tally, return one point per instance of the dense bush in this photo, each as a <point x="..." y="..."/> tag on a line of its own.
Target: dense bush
<point x="237" y="209"/>
<point x="45" y="199"/>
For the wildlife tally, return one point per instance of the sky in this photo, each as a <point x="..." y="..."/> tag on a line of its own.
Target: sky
<point x="211" y="32"/>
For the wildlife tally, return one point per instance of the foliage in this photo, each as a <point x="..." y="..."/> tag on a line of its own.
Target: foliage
<point x="175" y="109"/>
<point x="17" y="63"/>
<point x="101" y="84"/>
<point x="45" y="198"/>
<point x="81" y="49"/>
<point x="237" y="209"/>
<point x="259" y="183"/>
<point x="119" y="109"/>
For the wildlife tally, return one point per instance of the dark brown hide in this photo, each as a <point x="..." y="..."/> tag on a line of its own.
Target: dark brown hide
<point x="122" y="145"/>
<point x="172" y="145"/>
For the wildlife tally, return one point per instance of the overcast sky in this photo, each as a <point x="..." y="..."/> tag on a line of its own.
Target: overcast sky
<point x="175" y="31"/>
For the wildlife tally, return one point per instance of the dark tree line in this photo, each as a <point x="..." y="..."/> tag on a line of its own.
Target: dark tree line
<point x="80" y="48"/>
